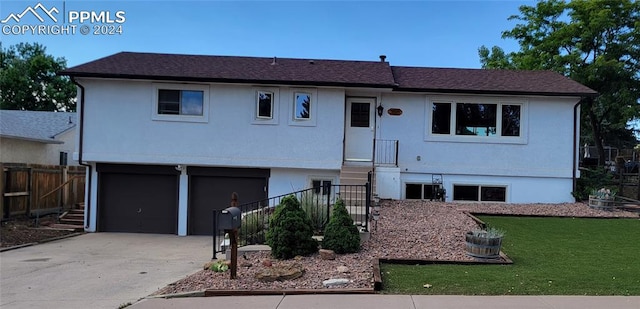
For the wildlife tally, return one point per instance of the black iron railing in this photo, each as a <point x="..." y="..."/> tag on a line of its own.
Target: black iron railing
<point x="386" y="152"/>
<point x="316" y="202"/>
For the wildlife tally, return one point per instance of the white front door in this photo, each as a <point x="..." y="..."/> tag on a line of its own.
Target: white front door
<point x="359" y="129"/>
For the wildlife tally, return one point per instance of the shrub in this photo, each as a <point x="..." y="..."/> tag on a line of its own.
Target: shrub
<point x="316" y="208"/>
<point x="341" y="235"/>
<point x="290" y="232"/>
<point x="592" y="179"/>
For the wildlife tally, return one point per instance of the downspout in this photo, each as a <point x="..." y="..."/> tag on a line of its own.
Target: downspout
<point x="87" y="207"/>
<point x="575" y="144"/>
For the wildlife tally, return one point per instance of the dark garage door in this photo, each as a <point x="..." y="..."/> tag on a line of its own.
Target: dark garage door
<point x="137" y="199"/>
<point x="211" y="188"/>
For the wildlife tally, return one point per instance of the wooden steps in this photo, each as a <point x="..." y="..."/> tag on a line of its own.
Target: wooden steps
<point x="72" y="219"/>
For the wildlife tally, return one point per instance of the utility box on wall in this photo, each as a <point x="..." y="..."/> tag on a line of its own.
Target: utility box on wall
<point x="230" y="218"/>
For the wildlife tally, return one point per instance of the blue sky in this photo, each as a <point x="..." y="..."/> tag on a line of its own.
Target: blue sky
<point x="412" y="33"/>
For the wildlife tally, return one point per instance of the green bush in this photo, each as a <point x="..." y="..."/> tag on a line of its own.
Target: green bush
<point x="341" y="235"/>
<point x="290" y="232"/>
<point x="592" y="179"/>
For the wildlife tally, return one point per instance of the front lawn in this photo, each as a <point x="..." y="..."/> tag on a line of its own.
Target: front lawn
<point x="552" y="256"/>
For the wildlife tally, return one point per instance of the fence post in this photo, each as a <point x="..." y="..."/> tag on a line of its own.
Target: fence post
<point x="368" y="201"/>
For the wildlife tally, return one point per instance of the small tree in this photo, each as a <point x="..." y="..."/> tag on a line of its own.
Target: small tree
<point x="341" y="235"/>
<point x="290" y="231"/>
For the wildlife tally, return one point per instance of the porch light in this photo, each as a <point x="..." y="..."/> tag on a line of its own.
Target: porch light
<point x="380" y="110"/>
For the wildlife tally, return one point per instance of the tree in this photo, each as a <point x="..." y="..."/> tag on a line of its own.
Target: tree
<point x="290" y="231"/>
<point x="341" y="235"/>
<point x="594" y="42"/>
<point x="28" y="80"/>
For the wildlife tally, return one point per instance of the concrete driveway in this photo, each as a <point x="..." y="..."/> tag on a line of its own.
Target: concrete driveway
<point x="97" y="270"/>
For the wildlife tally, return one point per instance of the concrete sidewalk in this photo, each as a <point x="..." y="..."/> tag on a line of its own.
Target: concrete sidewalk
<point x="97" y="270"/>
<point x="394" y="302"/>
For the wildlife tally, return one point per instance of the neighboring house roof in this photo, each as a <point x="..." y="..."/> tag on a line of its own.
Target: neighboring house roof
<point x="378" y="74"/>
<point x="487" y="81"/>
<point x="238" y="70"/>
<point x="35" y="126"/>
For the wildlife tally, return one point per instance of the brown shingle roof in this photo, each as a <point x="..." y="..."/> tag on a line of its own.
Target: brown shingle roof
<point x="487" y="81"/>
<point x="342" y="73"/>
<point x="238" y="70"/>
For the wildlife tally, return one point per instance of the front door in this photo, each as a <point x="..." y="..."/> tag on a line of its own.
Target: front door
<point x="359" y="129"/>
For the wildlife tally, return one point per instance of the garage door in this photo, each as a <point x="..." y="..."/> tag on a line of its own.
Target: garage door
<point x="211" y="188"/>
<point x="137" y="199"/>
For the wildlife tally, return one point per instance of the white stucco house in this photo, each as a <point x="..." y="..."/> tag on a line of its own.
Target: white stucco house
<point x="37" y="137"/>
<point x="167" y="137"/>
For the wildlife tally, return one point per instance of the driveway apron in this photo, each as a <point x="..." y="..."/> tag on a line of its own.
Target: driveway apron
<point x="97" y="270"/>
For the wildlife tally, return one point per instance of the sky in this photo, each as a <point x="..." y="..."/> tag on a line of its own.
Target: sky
<point x="411" y="33"/>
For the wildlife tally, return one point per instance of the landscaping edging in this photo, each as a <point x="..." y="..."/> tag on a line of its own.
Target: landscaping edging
<point x="41" y="242"/>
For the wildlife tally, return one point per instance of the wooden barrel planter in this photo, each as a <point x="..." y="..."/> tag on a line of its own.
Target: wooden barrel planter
<point x="602" y="204"/>
<point x="482" y="246"/>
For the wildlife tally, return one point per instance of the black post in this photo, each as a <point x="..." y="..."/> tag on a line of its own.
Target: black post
<point x="215" y="232"/>
<point x="368" y="201"/>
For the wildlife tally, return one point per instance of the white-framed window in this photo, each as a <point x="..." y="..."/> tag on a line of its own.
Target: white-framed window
<point x="321" y="186"/>
<point x="180" y="102"/>
<point x="477" y="121"/>
<point x="264" y="104"/>
<point x="304" y="107"/>
<point x="479" y="193"/>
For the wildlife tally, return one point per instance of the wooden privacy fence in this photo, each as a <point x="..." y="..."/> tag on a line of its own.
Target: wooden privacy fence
<point x="31" y="189"/>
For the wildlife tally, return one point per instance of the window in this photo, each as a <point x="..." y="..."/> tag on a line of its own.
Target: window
<point x="180" y="102"/>
<point x="321" y="187"/>
<point x="491" y="120"/>
<point x="476" y="119"/>
<point x="479" y="193"/>
<point x="360" y="115"/>
<point x="510" y="120"/>
<point x="441" y="118"/>
<point x="264" y="104"/>
<point x="302" y="107"/>
<point x="419" y="191"/>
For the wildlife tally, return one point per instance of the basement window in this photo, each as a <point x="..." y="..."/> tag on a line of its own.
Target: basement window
<point x="479" y="193"/>
<point x="321" y="186"/>
<point x="420" y="191"/>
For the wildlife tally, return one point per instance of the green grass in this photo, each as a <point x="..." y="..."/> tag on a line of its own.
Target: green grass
<point x="552" y="256"/>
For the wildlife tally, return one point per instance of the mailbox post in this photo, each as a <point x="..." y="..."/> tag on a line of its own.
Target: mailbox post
<point x="230" y="220"/>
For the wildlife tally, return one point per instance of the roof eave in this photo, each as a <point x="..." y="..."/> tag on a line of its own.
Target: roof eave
<point x="229" y="80"/>
<point x="32" y="139"/>
<point x="503" y="92"/>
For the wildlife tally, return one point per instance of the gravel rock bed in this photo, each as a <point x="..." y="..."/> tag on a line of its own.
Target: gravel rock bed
<point x="405" y="230"/>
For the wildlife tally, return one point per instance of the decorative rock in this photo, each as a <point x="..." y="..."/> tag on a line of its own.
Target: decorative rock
<point x="246" y="264"/>
<point x="266" y="263"/>
<point x="334" y="282"/>
<point x="343" y="269"/>
<point x="326" y="254"/>
<point x="280" y="273"/>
